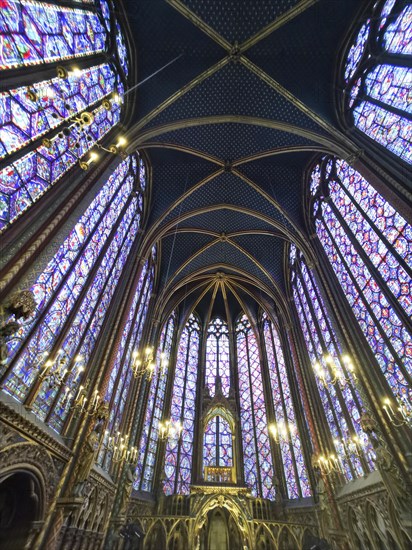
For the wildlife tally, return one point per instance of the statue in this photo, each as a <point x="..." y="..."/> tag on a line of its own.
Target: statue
<point x="391" y="477"/>
<point x="86" y="459"/>
<point x="126" y="489"/>
<point x="278" y="489"/>
<point x="386" y="464"/>
<point x="323" y="501"/>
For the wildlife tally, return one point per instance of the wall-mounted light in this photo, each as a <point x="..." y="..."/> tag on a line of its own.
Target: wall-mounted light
<point x="170" y="429"/>
<point x="398" y="416"/>
<point x="282" y="431"/>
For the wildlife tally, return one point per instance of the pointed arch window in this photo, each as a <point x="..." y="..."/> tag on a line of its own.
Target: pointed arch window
<point x="378" y="78"/>
<point x="217" y="443"/>
<point x="257" y="457"/>
<point x="217" y="356"/>
<point x="179" y="452"/>
<point x="73" y="294"/>
<point x="154" y="411"/>
<point x="369" y="246"/>
<point x="39" y="138"/>
<point x="121" y="372"/>
<point x="341" y="402"/>
<point x="294" y="467"/>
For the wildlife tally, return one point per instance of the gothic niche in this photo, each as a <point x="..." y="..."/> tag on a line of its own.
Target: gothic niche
<point x="220" y="532"/>
<point x="21" y="501"/>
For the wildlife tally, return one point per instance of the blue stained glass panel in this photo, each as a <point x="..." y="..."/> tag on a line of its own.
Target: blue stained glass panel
<point x="22" y="119"/>
<point x="178" y="456"/>
<point x="27" y="179"/>
<point x="35" y="32"/>
<point x="378" y="84"/>
<point x="256" y="446"/>
<point x="60" y="284"/>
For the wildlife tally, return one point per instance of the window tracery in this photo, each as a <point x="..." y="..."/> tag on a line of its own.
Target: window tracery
<point x="178" y="457"/>
<point x="73" y="294"/>
<point x="341" y="402"/>
<point x="257" y="457"/>
<point x="294" y="467"/>
<point x="154" y="411"/>
<point x="368" y="245"/>
<point x="217" y="356"/>
<point x="121" y="372"/>
<point x="217" y="443"/>
<point x="34" y="32"/>
<point x="378" y="78"/>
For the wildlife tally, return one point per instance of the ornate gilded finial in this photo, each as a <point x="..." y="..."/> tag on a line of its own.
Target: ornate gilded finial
<point x="20" y="305"/>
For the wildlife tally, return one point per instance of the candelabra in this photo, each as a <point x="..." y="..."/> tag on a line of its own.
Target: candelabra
<point x="143" y="363"/>
<point x="351" y="447"/>
<point x="328" y="464"/>
<point x="282" y="431"/>
<point x="170" y="429"/>
<point x="399" y="416"/>
<point x="76" y="124"/>
<point x="93" y="407"/>
<point x="59" y="372"/>
<point x="119" y="447"/>
<point x="333" y="373"/>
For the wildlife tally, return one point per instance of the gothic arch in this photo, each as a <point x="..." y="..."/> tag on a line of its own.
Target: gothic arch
<point x="178" y="538"/>
<point x="34" y="461"/>
<point x="155" y="537"/>
<point x="264" y="539"/>
<point x="27" y="485"/>
<point x="287" y="540"/>
<point x="235" y="510"/>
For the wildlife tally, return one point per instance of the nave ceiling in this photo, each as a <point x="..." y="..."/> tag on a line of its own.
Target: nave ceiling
<point x="230" y="128"/>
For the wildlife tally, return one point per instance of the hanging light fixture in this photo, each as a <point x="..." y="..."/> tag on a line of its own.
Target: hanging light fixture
<point x="119" y="447"/>
<point x="59" y="372"/>
<point x="328" y="464"/>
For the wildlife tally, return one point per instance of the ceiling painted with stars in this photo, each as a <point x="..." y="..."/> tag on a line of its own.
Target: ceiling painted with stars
<point x="229" y="128"/>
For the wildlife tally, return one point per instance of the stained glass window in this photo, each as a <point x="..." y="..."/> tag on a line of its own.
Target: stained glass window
<point x="154" y="411"/>
<point x="217" y="443"/>
<point x="378" y="78"/>
<point x="121" y="49"/>
<point x="25" y="117"/>
<point x="257" y="456"/>
<point x="341" y="401"/>
<point x="217" y="356"/>
<point x="34" y="32"/>
<point x="294" y="468"/>
<point x="73" y="294"/>
<point x="369" y="247"/>
<point x="121" y="372"/>
<point x="178" y="458"/>
<point x="24" y="181"/>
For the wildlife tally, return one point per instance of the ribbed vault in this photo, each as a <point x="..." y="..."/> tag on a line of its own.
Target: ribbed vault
<point x="229" y="130"/>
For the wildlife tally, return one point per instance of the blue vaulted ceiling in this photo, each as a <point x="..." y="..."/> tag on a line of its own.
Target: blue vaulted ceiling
<point x="230" y="128"/>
